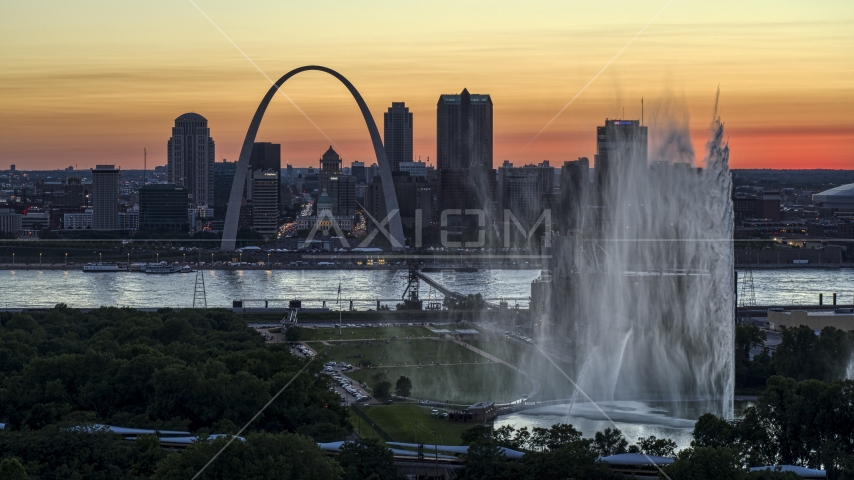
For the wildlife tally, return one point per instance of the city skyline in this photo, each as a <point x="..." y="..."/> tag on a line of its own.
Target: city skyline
<point x="107" y="81"/>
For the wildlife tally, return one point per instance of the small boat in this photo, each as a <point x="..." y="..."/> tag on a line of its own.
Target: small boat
<point x="161" y="267"/>
<point x="100" y="267"/>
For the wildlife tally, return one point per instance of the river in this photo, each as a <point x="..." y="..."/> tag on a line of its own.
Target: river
<point x="44" y="288"/>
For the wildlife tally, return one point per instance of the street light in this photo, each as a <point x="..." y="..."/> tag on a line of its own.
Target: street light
<point x="158" y="258"/>
<point x="100" y="257"/>
<point x="212" y="258"/>
<point x="40" y="259"/>
<point x="66" y="260"/>
<point x="268" y="260"/>
<point x="13" y="259"/>
<point x="185" y="258"/>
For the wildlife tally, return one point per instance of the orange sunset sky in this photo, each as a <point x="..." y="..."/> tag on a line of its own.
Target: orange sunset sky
<point x="90" y="82"/>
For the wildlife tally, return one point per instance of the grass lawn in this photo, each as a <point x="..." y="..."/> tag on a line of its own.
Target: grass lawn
<point x="461" y="384"/>
<point x="552" y="383"/>
<point x="329" y="333"/>
<point x="399" y="422"/>
<point x="400" y="352"/>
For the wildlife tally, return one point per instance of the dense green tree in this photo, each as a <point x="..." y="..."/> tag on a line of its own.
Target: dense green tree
<point x="367" y="459"/>
<point x="661" y="447"/>
<point x="11" y="469"/>
<point x="610" y="442"/>
<point x="293" y="334"/>
<point x="486" y="461"/>
<point x="403" y="386"/>
<point x="281" y="456"/>
<point x="178" y="370"/>
<point x="712" y="431"/>
<point x="751" y="373"/>
<point x="574" y="460"/>
<point x="705" y="463"/>
<point x="382" y="390"/>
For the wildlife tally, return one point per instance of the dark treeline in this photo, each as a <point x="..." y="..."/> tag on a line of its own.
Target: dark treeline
<point x="206" y="372"/>
<point x="802" y="355"/>
<point x="203" y="372"/>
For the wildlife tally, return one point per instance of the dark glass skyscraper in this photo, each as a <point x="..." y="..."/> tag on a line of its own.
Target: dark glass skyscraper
<point x="464" y="150"/>
<point x="619" y="142"/>
<point x="105" y="197"/>
<point x="398" y="135"/>
<point x="223" y="179"/>
<point x="190" y="158"/>
<point x="163" y="207"/>
<point x="464" y="131"/>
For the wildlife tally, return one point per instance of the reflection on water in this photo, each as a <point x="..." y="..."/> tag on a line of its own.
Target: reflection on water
<point x="23" y="288"/>
<point x="28" y="288"/>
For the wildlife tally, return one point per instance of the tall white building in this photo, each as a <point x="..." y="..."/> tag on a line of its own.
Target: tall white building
<point x="190" y="158"/>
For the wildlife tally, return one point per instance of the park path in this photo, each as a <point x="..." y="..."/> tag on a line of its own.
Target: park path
<point x="534" y="382"/>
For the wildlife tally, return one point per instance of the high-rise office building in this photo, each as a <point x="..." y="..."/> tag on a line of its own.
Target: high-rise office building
<point x="398" y="135"/>
<point x="620" y="144"/>
<point x="464" y="151"/>
<point x="574" y="193"/>
<point x="521" y="189"/>
<point x="267" y="157"/>
<point x="464" y="131"/>
<point x="190" y="158"/>
<point x="223" y="179"/>
<point x="163" y="207"/>
<point x="340" y="188"/>
<point x="105" y="197"/>
<point x="265" y="202"/>
<point x="357" y="170"/>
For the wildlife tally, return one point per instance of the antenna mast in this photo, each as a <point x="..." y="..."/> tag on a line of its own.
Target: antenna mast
<point x="144" y="165"/>
<point x="641" y="110"/>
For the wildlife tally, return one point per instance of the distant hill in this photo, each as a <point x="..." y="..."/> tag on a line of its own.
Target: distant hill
<point x="807" y="179"/>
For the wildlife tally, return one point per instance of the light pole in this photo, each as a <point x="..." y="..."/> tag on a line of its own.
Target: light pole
<point x="185" y="259"/>
<point x="212" y="258"/>
<point x="40" y="259"/>
<point x="268" y="260"/>
<point x="100" y="257"/>
<point x="66" y="260"/>
<point x="13" y="259"/>
<point x="158" y="258"/>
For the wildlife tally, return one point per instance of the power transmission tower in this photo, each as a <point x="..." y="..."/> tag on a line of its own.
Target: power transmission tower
<point x="746" y="291"/>
<point x="199" y="296"/>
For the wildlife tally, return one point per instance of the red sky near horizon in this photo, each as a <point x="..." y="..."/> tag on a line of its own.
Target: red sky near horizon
<point x="97" y="81"/>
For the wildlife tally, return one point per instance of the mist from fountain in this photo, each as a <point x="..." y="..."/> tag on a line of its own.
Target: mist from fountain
<point x="642" y="290"/>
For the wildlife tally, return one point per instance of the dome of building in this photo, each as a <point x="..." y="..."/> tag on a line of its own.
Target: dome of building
<point x="191" y="116"/>
<point x="837" y="197"/>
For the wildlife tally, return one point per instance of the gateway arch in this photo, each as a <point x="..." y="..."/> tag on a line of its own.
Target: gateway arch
<point x="229" y="234"/>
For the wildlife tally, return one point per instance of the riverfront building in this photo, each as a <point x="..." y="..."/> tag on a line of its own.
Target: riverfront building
<point x="163" y="207"/>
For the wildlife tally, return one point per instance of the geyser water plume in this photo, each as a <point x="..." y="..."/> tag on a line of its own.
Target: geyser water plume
<point x="642" y="287"/>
